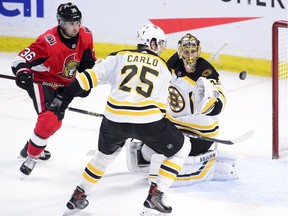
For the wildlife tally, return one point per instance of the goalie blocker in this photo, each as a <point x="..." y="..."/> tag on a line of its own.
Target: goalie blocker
<point x="212" y="165"/>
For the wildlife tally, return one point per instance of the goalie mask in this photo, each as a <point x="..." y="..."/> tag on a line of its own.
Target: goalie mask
<point x="147" y="33"/>
<point x="189" y="50"/>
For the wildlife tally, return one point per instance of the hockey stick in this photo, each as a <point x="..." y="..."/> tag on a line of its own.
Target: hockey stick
<point x="85" y="112"/>
<point x="37" y="82"/>
<point x="239" y="139"/>
<point x="218" y="51"/>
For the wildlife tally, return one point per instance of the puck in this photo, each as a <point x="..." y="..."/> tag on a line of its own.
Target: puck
<point x="243" y="75"/>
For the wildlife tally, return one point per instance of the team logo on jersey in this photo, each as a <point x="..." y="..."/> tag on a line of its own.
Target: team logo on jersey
<point x="170" y="146"/>
<point x="206" y="72"/>
<point x="175" y="99"/>
<point x="69" y="67"/>
<point x="50" y="39"/>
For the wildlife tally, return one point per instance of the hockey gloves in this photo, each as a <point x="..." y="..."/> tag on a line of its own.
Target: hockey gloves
<point x="204" y="97"/>
<point x="24" y="79"/>
<point x="58" y="106"/>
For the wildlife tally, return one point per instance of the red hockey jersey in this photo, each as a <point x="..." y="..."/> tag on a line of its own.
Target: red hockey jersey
<point x="52" y="58"/>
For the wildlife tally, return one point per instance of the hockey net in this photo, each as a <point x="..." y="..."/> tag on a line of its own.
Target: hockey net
<point x="280" y="88"/>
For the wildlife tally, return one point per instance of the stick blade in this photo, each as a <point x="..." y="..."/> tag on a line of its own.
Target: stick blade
<point x="244" y="137"/>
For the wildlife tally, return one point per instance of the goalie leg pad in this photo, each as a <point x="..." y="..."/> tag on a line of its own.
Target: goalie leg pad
<point x="134" y="159"/>
<point x="195" y="169"/>
<point x="225" y="168"/>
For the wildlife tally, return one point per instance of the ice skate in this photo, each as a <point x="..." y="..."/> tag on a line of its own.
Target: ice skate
<point x="77" y="202"/>
<point x="28" y="165"/>
<point x="154" y="205"/>
<point x="45" y="155"/>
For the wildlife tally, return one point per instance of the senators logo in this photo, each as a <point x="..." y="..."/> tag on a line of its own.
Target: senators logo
<point x="69" y="67"/>
<point x="175" y="99"/>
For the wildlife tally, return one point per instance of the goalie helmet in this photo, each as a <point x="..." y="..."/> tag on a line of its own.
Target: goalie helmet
<point x="189" y="50"/>
<point x="150" y="32"/>
<point x="68" y="12"/>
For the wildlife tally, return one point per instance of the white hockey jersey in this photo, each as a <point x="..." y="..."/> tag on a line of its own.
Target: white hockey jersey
<point x="139" y="85"/>
<point x="180" y="105"/>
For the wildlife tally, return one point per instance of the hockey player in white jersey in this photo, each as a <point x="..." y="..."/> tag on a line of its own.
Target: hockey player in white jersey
<point x="135" y="109"/>
<point x="196" y="99"/>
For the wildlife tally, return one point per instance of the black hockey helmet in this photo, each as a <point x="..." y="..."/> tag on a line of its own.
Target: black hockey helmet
<point x="68" y="12"/>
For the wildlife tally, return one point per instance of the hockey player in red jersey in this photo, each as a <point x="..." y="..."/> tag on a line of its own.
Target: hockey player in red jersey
<point x="54" y="57"/>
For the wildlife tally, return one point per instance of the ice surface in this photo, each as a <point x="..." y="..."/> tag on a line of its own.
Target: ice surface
<point x="262" y="188"/>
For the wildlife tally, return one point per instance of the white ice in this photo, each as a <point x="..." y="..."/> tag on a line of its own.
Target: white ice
<point x="262" y="188"/>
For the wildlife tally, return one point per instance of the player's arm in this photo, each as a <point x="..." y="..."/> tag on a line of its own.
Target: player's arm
<point x="90" y="78"/>
<point x="28" y="57"/>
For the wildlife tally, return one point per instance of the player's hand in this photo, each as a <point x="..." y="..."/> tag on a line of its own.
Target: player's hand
<point x="58" y="106"/>
<point x="24" y="80"/>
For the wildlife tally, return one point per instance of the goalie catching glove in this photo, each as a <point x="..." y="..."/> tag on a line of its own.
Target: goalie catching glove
<point x="204" y="96"/>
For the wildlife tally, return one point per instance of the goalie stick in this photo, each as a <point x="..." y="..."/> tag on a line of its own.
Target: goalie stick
<point x="218" y="51"/>
<point x="239" y="139"/>
<point x="38" y="82"/>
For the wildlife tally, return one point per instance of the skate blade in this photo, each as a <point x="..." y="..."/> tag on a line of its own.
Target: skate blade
<point x="23" y="176"/>
<point x="70" y="212"/>
<point x="151" y="212"/>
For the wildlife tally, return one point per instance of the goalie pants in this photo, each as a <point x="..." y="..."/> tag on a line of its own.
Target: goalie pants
<point x="199" y="146"/>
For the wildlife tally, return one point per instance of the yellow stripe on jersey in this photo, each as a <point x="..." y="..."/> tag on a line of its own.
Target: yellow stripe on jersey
<point x="172" y="165"/>
<point x="210" y="133"/>
<point x="167" y="174"/>
<point x="137" y="104"/>
<point x="200" y="127"/>
<point x="92" y="174"/>
<point x="169" y="169"/>
<point x="209" y="105"/>
<point x="141" y="108"/>
<point x="94" y="170"/>
<point x="186" y="78"/>
<point x="89" y="178"/>
<point x="84" y="80"/>
<point x="132" y="113"/>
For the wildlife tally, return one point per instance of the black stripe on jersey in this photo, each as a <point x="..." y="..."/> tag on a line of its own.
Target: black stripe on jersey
<point x="169" y="169"/>
<point x="89" y="79"/>
<point x="202" y="131"/>
<point x="162" y="110"/>
<point x="131" y="107"/>
<point x="94" y="176"/>
<point x="191" y="103"/>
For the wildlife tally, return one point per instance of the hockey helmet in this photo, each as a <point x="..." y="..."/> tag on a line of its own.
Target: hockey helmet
<point x="150" y="32"/>
<point x="189" y="49"/>
<point x="68" y="12"/>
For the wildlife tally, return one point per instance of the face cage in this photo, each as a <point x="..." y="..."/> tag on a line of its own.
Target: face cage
<point x="189" y="60"/>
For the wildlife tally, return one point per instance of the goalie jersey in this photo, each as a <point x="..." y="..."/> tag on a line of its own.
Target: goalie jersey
<point x="180" y="104"/>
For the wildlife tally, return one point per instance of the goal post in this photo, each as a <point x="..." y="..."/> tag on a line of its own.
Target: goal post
<point x="279" y="88"/>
